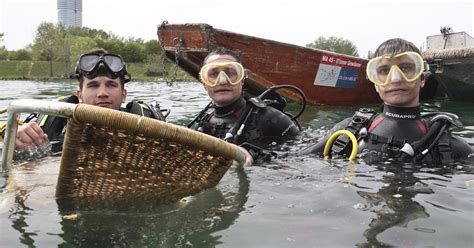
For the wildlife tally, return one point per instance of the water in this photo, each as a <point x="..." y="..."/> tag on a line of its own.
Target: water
<point x="289" y="202"/>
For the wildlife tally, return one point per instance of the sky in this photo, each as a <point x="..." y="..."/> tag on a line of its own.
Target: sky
<point x="366" y="23"/>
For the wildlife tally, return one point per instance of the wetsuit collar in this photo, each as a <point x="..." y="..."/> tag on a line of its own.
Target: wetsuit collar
<point x="229" y="109"/>
<point x="401" y="113"/>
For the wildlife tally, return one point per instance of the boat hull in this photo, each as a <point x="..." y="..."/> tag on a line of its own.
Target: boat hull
<point x="456" y="75"/>
<point x="325" y="77"/>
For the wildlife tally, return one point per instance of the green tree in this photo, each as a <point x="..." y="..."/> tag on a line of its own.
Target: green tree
<point x="334" y="44"/>
<point x="80" y="45"/>
<point x="21" y="54"/>
<point x="112" y="46"/>
<point x="3" y="50"/>
<point x="49" y="43"/>
<point x="3" y="53"/>
<point x="133" y="52"/>
<point x="90" y="33"/>
<point x="153" y="47"/>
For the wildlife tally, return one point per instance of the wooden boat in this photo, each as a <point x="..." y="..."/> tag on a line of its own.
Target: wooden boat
<point x="451" y="60"/>
<point x="325" y="77"/>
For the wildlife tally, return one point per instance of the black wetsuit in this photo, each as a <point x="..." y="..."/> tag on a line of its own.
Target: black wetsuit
<point x="395" y="126"/>
<point x="263" y="125"/>
<point x="55" y="126"/>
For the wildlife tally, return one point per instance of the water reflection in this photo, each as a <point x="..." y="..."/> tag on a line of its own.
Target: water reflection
<point x="190" y="222"/>
<point x="397" y="204"/>
<point x="19" y="216"/>
<point x="299" y="202"/>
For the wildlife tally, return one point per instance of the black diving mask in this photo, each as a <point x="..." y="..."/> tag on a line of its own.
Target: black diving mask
<point x="92" y="65"/>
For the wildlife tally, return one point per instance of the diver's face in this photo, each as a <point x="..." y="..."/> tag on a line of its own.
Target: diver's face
<point x="223" y="93"/>
<point x="102" y="91"/>
<point x="398" y="92"/>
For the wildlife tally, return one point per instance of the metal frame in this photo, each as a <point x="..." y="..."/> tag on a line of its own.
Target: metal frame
<point x="16" y="107"/>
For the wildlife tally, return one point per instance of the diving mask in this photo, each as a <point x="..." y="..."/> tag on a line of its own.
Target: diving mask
<point x="92" y="65"/>
<point x="385" y="69"/>
<point x="233" y="72"/>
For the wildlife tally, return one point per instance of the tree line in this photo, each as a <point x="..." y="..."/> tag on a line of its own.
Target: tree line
<point x="54" y="42"/>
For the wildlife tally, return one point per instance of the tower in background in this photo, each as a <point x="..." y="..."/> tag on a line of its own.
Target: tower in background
<point x="70" y="13"/>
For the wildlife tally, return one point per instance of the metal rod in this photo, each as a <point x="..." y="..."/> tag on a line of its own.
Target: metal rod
<point x="55" y="108"/>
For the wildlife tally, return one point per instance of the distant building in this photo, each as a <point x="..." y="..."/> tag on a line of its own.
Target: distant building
<point x="70" y="13"/>
<point x="449" y="39"/>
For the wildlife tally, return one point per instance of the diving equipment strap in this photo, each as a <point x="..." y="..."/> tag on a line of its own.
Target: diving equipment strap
<point x="358" y="126"/>
<point x="437" y="135"/>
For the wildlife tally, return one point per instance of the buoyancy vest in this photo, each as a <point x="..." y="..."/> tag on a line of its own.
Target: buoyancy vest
<point x="405" y="133"/>
<point x="245" y="123"/>
<point x="217" y="121"/>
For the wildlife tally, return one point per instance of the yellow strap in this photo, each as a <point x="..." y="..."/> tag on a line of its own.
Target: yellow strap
<point x="3" y="126"/>
<point x="334" y="136"/>
<point x="142" y="107"/>
<point x="43" y="120"/>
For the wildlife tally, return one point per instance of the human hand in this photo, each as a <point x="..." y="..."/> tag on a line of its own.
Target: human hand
<point x="29" y="135"/>
<point x="248" y="157"/>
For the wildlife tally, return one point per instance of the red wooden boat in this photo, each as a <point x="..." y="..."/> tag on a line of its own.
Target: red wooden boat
<point x="325" y="77"/>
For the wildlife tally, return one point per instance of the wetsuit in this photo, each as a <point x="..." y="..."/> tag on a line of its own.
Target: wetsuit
<point x="389" y="131"/>
<point x="262" y="125"/>
<point x="55" y="126"/>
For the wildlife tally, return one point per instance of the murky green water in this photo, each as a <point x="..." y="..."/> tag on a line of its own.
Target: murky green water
<point x="289" y="202"/>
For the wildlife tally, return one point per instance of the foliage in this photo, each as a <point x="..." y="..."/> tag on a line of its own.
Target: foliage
<point x="62" y="46"/>
<point x="96" y="34"/>
<point x="21" y="54"/>
<point x="112" y="45"/>
<point x="153" y="47"/>
<point x="80" y="45"/>
<point x="3" y="53"/>
<point x="334" y="44"/>
<point x="48" y="43"/>
<point x="133" y="52"/>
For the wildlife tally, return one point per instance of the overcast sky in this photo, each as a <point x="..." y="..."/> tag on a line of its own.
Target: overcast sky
<point x="367" y="23"/>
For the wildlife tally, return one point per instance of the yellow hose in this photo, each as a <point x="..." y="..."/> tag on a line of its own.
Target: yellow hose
<point x="334" y="136"/>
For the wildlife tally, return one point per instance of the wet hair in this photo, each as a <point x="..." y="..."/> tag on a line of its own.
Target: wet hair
<point x="100" y="51"/>
<point x="223" y="51"/>
<point x="395" y="46"/>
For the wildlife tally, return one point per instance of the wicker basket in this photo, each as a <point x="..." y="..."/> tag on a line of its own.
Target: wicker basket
<point x="113" y="155"/>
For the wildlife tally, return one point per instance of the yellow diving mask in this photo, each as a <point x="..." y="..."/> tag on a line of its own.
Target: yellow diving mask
<point x="385" y="69"/>
<point x="233" y="72"/>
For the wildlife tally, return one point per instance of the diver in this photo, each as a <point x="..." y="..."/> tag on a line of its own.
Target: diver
<point x="400" y="132"/>
<point x="254" y="124"/>
<point x="102" y="77"/>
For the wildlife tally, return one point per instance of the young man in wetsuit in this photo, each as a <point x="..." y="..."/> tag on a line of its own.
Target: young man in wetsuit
<point x="230" y="116"/>
<point x="399" y="131"/>
<point x="102" y="77"/>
